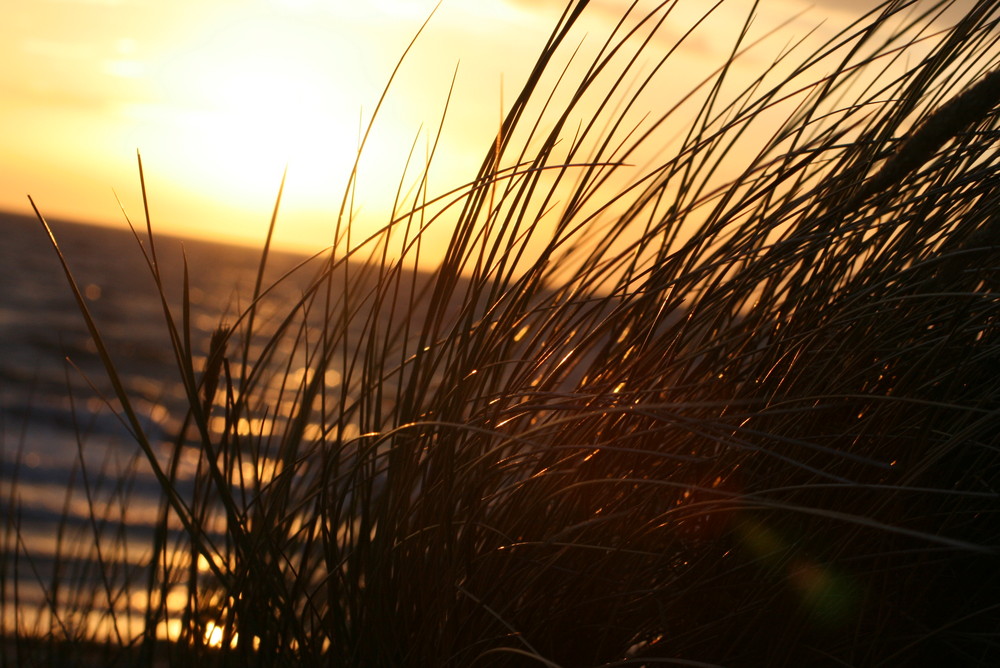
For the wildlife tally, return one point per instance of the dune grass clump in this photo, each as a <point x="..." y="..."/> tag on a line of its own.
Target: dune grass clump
<point x="736" y="407"/>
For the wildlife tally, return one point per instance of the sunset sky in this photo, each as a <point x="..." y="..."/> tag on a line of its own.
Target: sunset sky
<point x="219" y="95"/>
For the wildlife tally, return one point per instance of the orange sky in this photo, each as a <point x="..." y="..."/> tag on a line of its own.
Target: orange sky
<point x="219" y="94"/>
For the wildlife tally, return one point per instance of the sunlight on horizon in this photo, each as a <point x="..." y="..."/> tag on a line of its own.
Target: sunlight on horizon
<point x="218" y="97"/>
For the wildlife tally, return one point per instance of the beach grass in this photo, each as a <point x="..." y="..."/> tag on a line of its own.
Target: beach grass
<point x="736" y="407"/>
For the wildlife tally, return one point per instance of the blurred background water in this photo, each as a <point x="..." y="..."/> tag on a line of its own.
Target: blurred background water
<point x="59" y="438"/>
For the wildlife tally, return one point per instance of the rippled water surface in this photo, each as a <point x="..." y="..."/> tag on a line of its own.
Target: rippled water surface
<point x="58" y="435"/>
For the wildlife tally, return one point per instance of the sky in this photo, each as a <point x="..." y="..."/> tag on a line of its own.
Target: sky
<point x="220" y="95"/>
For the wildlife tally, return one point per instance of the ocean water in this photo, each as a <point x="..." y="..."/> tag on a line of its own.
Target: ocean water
<point x="78" y="496"/>
<point x="60" y="437"/>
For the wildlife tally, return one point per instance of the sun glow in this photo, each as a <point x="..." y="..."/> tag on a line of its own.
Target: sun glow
<point x="219" y="97"/>
<point x="251" y="103"/>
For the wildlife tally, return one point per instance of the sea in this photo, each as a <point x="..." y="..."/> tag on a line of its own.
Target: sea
<point x="63" y="448"/>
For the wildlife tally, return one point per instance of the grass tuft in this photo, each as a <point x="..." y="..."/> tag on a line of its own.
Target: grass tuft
<point x="736" y="407"/>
